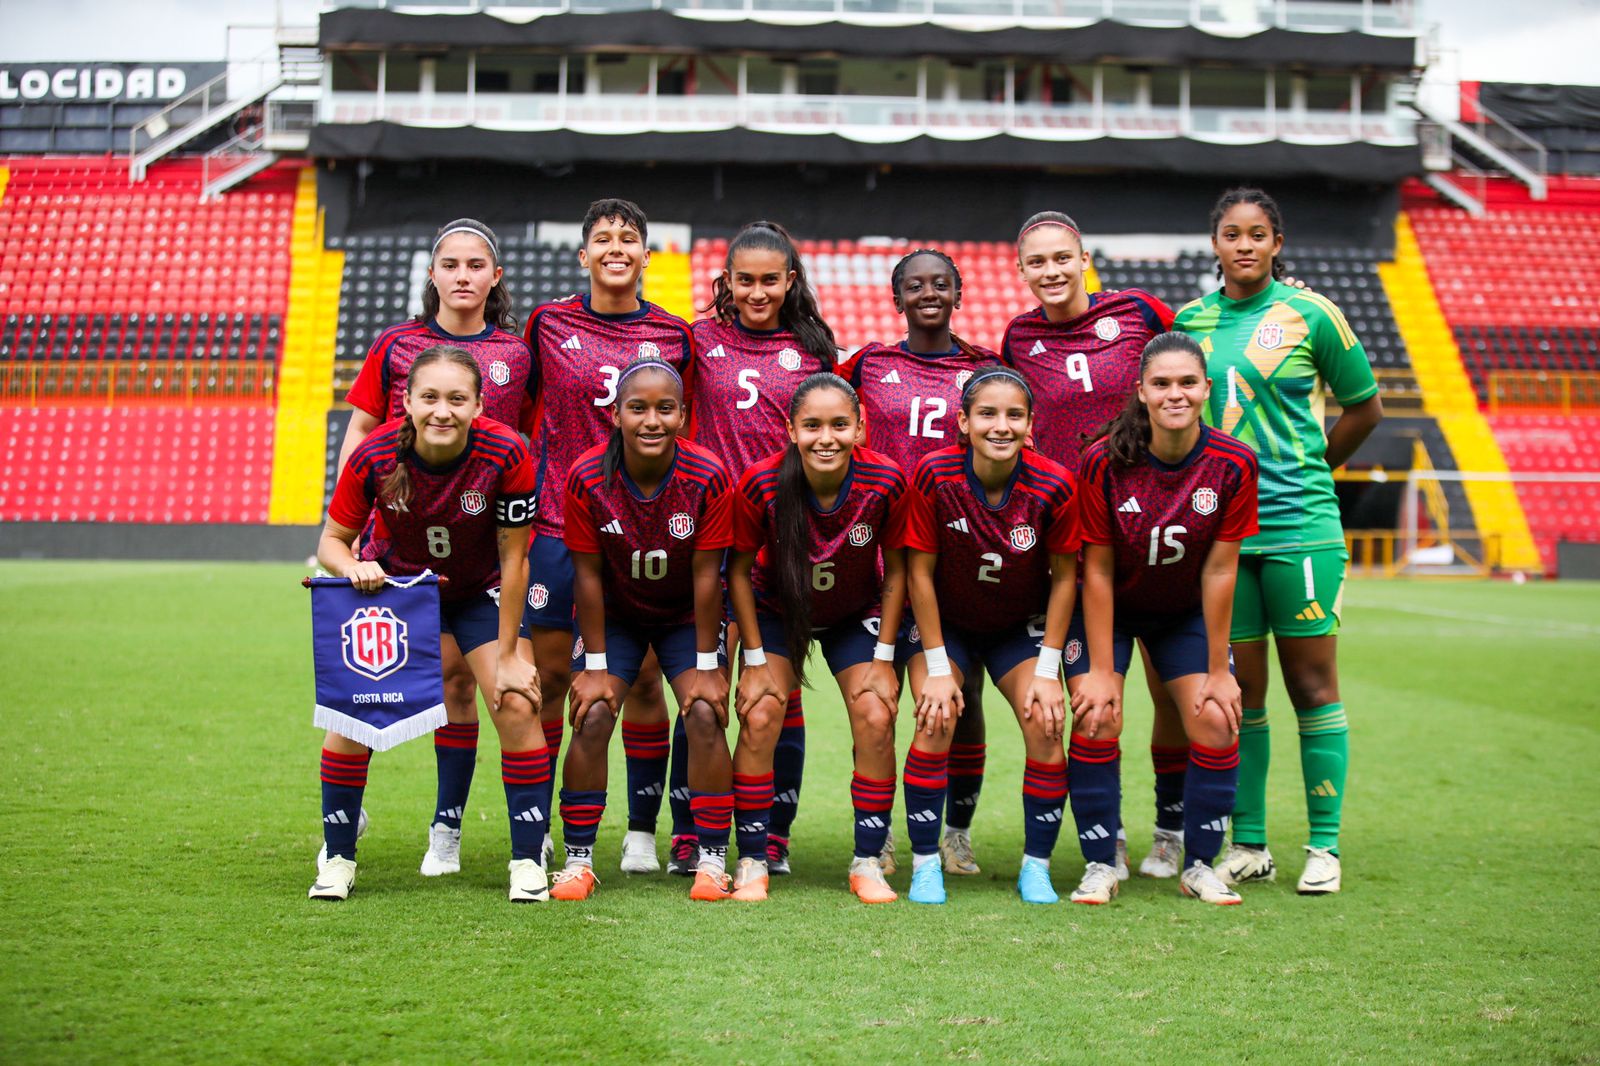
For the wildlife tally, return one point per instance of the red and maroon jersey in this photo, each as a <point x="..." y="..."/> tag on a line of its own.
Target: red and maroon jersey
<point x="910" y="399"/>
<point x="743" y="382"/>
<point x="1161" y="519"/>
<point x="449" y="525"/>
<point x="581" y="355"/>
<point x="510" y="378"/>
<point x="846" y="543"/>
<point x="1084" y="370"/>
<point x="646" y="544"/>
<point x="993" y="572"/>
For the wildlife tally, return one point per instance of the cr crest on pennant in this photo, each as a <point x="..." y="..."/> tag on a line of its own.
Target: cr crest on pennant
<point x="374" y="642"/>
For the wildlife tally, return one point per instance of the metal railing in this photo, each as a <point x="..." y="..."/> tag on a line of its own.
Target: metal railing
<point x="1557" y="392"/>
<point x="114" y="381"/>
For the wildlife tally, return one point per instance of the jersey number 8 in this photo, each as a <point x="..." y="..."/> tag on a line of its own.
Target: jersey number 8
<point x="438" y="541"/>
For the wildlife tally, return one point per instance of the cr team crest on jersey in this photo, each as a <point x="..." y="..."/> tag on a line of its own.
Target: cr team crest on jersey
<point x="649" y="350"/>
<point x="860" y="533"/>
<point x="538" y="597"/>
<point x="962" y="377"/>
<point x="681" y="525"/>
<point x="1108" y="329"/>
<point x="789" y="359"/>
<point x="1269" y="335"/>
<point x="1205" y="500"/>
<point x="499" y="372"/>
<point x="1074" y="650"/>
<point x="1023" y="537"/>
<point x="374" y="642"/>
<point x="473" y="501"/>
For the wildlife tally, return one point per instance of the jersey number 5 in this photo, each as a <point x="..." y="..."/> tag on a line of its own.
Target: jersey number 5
<point x="1166" y="537"/>
<point x="747" y="382"/>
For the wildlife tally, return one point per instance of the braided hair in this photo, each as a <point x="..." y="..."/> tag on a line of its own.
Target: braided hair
<point x="395" y="491"/>
<point x="799" y="313"/>
<point x="897" y="278"/>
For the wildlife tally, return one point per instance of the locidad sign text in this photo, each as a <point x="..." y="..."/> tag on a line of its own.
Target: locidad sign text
<point x="57" y="82"/>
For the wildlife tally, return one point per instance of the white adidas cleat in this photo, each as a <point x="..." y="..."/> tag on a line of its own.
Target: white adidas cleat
<point x="528" y="882"/>
<point x="1166" y="854"/>
<point x="444" y="851"/>
<point x="1201" y="882"/>
<point x="1240" y="865"/>
<point x="639" y="853"/>
<point x="1322" y="874"/>
<point x="1098" y="885"/>
<point x="361" y="831"/>
<point x="335" y="878"/>
<point x="1122" y="858"/>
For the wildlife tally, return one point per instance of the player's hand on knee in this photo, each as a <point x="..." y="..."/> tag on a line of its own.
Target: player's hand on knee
<point x="589" y="688"/>
<point x="756" y="683"/>
<point x="515" y="674"/>
<point x="1221" y="689"/>
<point x="1045" y="702"/>
<point x="879" y="680"/>
<point x="1098" y="701"/>
<point x="939" y="705"/>
<point x="367" y="576"/>
<point x="711" y="688"/>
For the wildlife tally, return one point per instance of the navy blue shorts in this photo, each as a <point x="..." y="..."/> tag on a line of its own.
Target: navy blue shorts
<point x="999" y="653"/>
<point x="550" y="578"/>
<point x="473" y="622"/>
<point x="844" y="644"/>
<point x="626" y="647"/>
<point x="1177" y="646"/>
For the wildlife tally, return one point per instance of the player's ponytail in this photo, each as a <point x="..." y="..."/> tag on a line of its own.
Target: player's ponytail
<point x="799" y="313"/>
<point x="1128" y="432"/>
<point x="1245" y="194"/>
<point x="497" y="308"/>
<point x="611" y="458"/>
<point x="790" y="552"/>
<point x="395" y="490"/>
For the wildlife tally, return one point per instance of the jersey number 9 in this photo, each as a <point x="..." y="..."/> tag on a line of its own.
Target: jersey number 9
<point x="1078" y="370"/>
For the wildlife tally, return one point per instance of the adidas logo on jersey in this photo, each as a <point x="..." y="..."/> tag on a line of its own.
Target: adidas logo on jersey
<point x="891" y="378"/>
<point x="613" y="526"/>
<point x="959" y="525"/>
<point x="1037" y="349"/>
<point x="1131" y="506"/>
<point x="572" y="344"/>
<point x="717" y="353"/>
<point x="532" y="814"/>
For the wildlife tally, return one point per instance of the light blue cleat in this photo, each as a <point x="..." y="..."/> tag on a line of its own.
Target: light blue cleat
<point x="1033" y="882"/>
<point x="927" y="883"/>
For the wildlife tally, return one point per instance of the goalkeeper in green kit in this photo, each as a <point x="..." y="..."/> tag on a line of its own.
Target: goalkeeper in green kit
<point x="1274" y="352"/>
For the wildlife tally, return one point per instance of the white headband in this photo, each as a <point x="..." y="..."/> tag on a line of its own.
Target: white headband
<point x="475" y="231"/>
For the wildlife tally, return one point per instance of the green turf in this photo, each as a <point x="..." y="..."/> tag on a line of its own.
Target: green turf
<point x="161" y="796"/>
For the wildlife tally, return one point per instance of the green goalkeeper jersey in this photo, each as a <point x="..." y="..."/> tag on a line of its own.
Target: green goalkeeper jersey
<point x="1272" y="359"/>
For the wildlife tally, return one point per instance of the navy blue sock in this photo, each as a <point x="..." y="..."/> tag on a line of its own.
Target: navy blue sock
<point x="455" y="752"/>
<point x="1208" y="800"/>
<point x="344" y="779"/>
<point x="1044" y="790"/>
<point x="1171" y="766"/>
<point x="713" y="818"/>
<point x="644" y="748"/>
<point x="927" y="779"/>
<point x="873" y="801"/>
<point x="581" y="812"/>
<point x="752" y="809"/>
<point x="1095" y="768"/>
<point x="788" y="767"/>
<point x="966" y="781"/>
<point x="678" y="783"/>
<point x="526" y="775"/>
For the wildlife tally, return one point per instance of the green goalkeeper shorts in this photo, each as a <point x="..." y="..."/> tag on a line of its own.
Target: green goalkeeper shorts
<point x="1289" y="594"/>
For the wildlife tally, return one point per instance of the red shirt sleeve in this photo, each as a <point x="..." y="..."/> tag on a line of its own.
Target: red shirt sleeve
<point x="351" y="505"/>
<point x="1156" y="307"/>
<point x="1094" y="520"/>
<point x="1066" y="532"/>
<point x="894" y="533"/>
<point x="749" y="516"/>
<point x="518" y="480"/>
<point x="1239" y="521"/>
<point x="367" y="393"/>
<point x="921" y="532"/>
<point x="579" y="535"/>
<point x="716" y="518"/>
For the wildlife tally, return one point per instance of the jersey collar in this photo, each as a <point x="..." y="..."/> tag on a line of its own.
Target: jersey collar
<point x="645" y="307"/>
<point x="1253" y="303"/>
<point x="1187" y="460"/>
<point x="844" y="490"/>
<point x="439" y="331"/>
<point x="627" y="481"/>
<point x="446" y="468"/>
<point x="982" y="493"/>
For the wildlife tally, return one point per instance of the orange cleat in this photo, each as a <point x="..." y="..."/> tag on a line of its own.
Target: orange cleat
<point x="866" y="881"/>
<point x="750" y="884"/>
<point x="576" y="882"/>
<point x="711" y="883"/>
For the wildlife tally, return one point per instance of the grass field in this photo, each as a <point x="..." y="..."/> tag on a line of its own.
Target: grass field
<point x="160" y="774"/>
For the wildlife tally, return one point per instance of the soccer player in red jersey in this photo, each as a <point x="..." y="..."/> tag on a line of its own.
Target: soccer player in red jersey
<point x="818" y="533"/>
<point x="451" y="491"/>
<point x="582" y="344"/>
<point x="1166" y="501"/>
<point x="647" y="521"/>
<point x="910" y="393"/>
<point x="465" y="303"/>
<point x="764" y="338"/>
<point x="993" y="539"/>
<point x="1081" y="351"/>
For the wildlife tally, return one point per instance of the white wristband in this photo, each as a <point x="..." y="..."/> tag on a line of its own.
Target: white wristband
<point x="1049" y="663"/>
<point x="593" y="661"/>
<point x="705" y="660"/>
<point x="884" y="653"/>
<point x="755" y="657"/>
<point x="938" y="661"/>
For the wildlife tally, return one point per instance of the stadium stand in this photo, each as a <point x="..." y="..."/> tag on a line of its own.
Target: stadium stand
<point x="1559" y="444"/>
